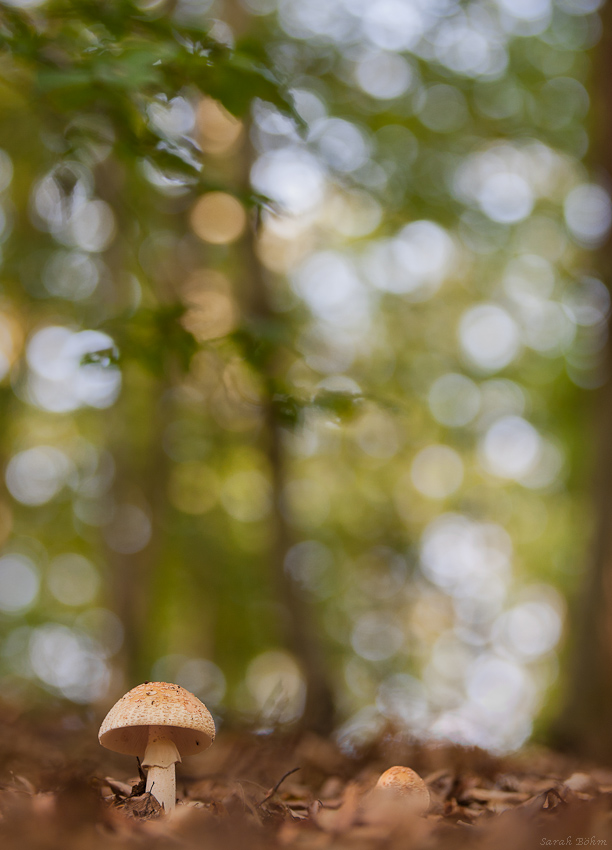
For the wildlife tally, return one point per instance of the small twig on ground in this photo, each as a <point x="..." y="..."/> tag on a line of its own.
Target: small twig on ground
<point x="273" y="791"/>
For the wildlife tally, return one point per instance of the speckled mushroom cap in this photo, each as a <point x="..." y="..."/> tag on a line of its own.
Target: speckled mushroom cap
<point x="404" y="782"/>
<point x="188" y="722"/>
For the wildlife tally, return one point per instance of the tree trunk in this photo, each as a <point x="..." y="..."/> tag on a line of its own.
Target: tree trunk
<point x="134" y="574"/>
<point x="584" y="724"/>
<point x="297" y="626"/>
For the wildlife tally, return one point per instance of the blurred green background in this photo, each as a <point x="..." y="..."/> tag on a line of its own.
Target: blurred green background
<point x="302" y="335"/>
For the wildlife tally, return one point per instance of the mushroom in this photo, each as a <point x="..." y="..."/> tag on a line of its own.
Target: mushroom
<point x="158" y="722"/>
<point x="403" y="784"/>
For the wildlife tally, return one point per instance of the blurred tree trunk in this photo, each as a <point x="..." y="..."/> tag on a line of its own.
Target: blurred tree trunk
<point x="584" y="725"/>
<point x="142" y="467"/>
<point x="135" y="573"/>
<point x="297" y="622"/>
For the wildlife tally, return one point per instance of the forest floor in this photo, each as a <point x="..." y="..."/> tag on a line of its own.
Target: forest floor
<point x="60" y="789"/>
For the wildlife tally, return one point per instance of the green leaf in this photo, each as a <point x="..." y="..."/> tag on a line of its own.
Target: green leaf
<point x="344" y="406"/>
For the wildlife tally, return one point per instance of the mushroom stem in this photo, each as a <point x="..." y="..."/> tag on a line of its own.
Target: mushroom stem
<point x="160" y="757"/>
<point x="161" y="782"/>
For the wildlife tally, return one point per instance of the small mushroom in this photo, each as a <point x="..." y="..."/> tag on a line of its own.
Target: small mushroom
<point x="158" y="722"/>
<point x="404" y="785"/>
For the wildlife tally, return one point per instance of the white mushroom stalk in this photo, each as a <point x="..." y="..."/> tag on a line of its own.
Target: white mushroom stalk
<point x="160" y="757"/>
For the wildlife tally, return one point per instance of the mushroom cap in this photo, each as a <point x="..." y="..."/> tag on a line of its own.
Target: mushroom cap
<point x="405" y="783"/>
<point x="187" y="721"/>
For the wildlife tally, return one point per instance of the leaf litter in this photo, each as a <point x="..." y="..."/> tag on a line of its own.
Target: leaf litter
<point x="59" y="789"/>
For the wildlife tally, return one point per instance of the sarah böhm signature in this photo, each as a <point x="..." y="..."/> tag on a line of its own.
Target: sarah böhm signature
<point x="574" y="841"/>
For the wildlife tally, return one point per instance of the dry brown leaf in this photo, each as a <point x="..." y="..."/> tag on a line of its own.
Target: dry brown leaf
<point x="143" y="806"/>
<point x="488" y="795"/>
<point x="121" y="789"/>
<point x="341" y="819"/>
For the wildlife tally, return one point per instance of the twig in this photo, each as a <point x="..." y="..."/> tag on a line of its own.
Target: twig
<point x="273" y="791"/>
